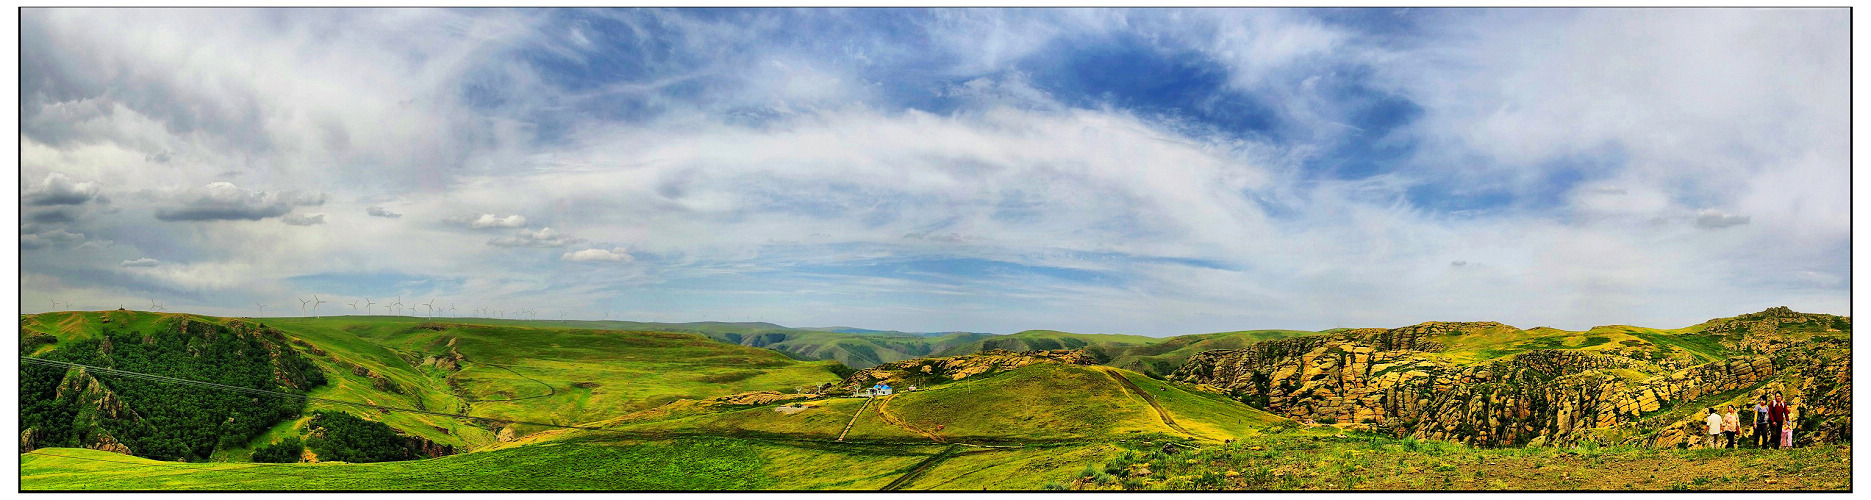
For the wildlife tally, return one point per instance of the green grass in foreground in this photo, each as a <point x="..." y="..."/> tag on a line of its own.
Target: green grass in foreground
<point x="1310" y="461"/>
<point x="679" y="464"/>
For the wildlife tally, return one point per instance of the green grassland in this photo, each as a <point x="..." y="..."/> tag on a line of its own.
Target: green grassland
<point x="1042" y="426"/>
<point x="1329" y="459"/>
<point x="678" y="464"/>
<point x="1163" y="357"/>
<point x="552" y="374"/>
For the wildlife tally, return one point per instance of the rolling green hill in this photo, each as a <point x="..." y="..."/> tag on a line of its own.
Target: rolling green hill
<point x="528" y="372"/>
<point x="657" y="401"/>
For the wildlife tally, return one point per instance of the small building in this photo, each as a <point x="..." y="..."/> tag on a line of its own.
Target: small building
<point x="881" y="389"/>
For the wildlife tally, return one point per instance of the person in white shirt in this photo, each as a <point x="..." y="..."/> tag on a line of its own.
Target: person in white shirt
<point x="1715" y="428"/>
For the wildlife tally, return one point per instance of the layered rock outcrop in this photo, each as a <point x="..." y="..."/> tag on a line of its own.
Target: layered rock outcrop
<point x="1396" y="381"/>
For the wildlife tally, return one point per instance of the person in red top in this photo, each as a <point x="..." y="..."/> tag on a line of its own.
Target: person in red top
<point x="1776" y="417"/>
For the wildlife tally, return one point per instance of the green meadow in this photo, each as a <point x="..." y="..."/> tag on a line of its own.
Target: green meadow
<point x="648" y="397"/>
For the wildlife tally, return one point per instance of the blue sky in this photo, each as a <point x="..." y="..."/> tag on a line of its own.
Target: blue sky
<point x="1157" y="171"/>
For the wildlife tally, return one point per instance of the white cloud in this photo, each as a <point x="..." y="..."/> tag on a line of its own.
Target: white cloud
<point x="142" y="262"/>
<point x="598" y="255"/>
<point x="542" y="238"/>
<point x="1716" y="219"/>
<point x="57" y="189"/>
<point x="49" y="238"/>
<point x="488" y="221"/>
<point x="1675" y="121"/>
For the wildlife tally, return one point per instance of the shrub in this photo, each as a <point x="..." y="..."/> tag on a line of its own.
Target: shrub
<point x="346" y="438"/>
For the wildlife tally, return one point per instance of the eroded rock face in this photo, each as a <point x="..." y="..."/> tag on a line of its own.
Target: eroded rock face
<point x="1394" y="381"/>
<point x="450" y="360"/>
<point x="425" y="448"/>
<point x="936" y="370"/>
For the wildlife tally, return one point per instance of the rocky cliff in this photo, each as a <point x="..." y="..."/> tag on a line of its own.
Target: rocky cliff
<point x="1402" y="381"/>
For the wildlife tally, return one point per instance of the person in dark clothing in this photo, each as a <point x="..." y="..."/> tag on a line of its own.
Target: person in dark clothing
<point x="1776" y="420"/>
<point x="1761" y="429"/>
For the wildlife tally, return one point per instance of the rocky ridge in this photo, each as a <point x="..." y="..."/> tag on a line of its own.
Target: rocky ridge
<point x="1396" y="381"/>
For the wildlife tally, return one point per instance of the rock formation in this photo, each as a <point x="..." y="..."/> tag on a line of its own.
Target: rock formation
<point x="1398" y="381"/>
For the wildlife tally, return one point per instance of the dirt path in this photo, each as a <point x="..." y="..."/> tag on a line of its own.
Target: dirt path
<point x="1147" y="398"/>
<point x="854" y="418"/>
<point x="925" y="465"/>
<point x="882" y="411"/>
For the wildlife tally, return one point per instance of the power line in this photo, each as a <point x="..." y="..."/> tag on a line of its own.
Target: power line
<point x="264" y="392"/>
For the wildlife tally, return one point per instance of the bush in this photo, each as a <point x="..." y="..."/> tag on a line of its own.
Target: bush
<point x="283" y="452"/>
<point x="347" y="438"/>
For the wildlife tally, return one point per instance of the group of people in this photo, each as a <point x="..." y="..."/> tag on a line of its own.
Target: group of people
<point x="1773" y="425"/>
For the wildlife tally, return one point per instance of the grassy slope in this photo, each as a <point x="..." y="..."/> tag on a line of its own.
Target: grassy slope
<point x="1210" y="415"/>
<point x="632" y="370"/>
<point x="1315" y="460"/>
<point x="1161" y="358"/>
<point x="682" y="464"/>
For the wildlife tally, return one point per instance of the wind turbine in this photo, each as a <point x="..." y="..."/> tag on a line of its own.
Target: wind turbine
<point x="262" y="307"/>
<point x="354" y="305"/>
<point x="302" y="303"/>
<point x="398" y="304"/>
<point x="315" y="303"/>
<point x="367" y="304"/>
<point x="451" y="308"/>
<point x="429" y="306"/>
<point x="54" y="305"/>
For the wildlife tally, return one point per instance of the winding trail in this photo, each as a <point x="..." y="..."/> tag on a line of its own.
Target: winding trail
<point x="882" y="411"/>
<point x="1147" y="398"/>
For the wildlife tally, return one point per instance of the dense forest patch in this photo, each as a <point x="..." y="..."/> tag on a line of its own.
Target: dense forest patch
<point x="61" y="407"/>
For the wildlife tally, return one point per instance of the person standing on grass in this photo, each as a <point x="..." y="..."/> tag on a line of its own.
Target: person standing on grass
<point x="1760" y="423"/>
<point x="1731" y="425"/>
<point x="1786" y="431"/>
<point x="1715" y="428"/>
<point x="1776" y="419"/>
